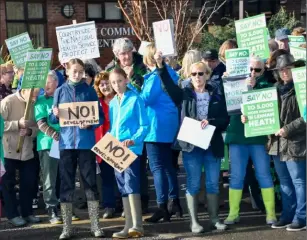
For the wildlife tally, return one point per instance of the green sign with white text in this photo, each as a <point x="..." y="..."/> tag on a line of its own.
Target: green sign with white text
<point x="299" y="79"/>
<point x="298" y="53"/>
<point x="296" y="41"/>
<point x="237" y="62"/>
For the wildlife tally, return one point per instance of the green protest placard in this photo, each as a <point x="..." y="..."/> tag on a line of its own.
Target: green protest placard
<point x="299" y="79"/>
<point x="298" y="53"/>
<point x="261" y="109"/>
<point x="237" y="62"/>
<point x="36" y="69"/>
<point x="252" y="34"/>
<point x="18" y="47"/>
<point x="296" y="41"/>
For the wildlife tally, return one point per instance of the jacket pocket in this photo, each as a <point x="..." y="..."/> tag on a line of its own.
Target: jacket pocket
<point x="296" y="149"/>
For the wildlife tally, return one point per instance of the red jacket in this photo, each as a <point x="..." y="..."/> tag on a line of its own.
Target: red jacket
<point x="102" y="130"/>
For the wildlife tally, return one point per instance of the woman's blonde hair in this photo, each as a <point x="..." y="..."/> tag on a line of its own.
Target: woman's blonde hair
<point x="190" y="57"/>
<point x="207" y="70"/>
<point x="103" y="75"/>
<point x="148" y="57"/>
<point x="298" y="31"/>
<point x="228" y="44"/>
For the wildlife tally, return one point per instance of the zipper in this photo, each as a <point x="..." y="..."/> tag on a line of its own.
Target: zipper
<point x="74" y="99"/>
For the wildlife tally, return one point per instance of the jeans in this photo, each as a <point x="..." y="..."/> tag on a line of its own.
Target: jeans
<point x="143" y="175"/>
<point x="68" y="165"/>
<point x="27" y="185"/>
<point x="164" y="173"/>
<point x="49" y="167"/>
<point x="239" y="156"/>
<point x="108" y="185"/>
<point x="193" y="163"/>
<point x="292" y="177"/>
<point x="128" y="181"/>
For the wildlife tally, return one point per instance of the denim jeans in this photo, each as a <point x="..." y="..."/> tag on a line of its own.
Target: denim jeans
<point x="128" y="181"/>
<point x="108" y="185"/>
<point x="292" y="177"/>
<point x="239" y="156"/>
<point x="193" y="163"/>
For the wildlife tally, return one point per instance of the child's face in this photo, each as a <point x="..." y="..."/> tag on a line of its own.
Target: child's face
<point x="118" y="83"/>
<point x="75" y="72"/>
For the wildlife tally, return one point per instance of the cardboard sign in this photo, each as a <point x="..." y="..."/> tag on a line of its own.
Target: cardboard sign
<point x="298" y="53"/>
<point x="114" y="153"/>
<point x="299" y="79"/>
<point x="261" y="109"/>
<point x="296" y="41"/>
<point x="75" y="113"/>
<point x="18" y="47"/>
<point x="37" y="68"/>
<point x="233" y="89"/>
<point x="164" y="37"/>
<point x="77" y="41"/>
<point x="237" y="62"/>
<point x="252" y="34"/>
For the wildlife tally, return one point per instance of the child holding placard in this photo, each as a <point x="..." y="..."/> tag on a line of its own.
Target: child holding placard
<point x="75" y="148"/>
<point x="129" y="124"/>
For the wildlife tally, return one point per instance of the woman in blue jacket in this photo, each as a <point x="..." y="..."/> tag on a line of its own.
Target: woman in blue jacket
<point x="164" y="122"/>
<point x="75" y="148"/>
<point x="129" y="124"/>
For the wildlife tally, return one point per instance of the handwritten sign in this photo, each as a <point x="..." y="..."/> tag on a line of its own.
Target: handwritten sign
<point x="237" y="62"/>
<point x="36" y="69"/>
<point x="296" y="41"/>
<point x="18" y="47"/>
<point x="252" y="34"/>
<point x="114" y="153"/>
<point x="75" y="113"/>
<point x="298" y="53"/>
<point x="164" y="37"/>
<point x="299" y="79"/>
<point x="78" y="41"/>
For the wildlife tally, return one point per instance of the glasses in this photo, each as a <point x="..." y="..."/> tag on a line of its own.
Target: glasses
<point x="257" y="70"/>
<point x="197" y="73"/>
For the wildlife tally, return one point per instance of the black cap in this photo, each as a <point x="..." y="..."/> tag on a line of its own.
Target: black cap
<point x="211" y="54"/>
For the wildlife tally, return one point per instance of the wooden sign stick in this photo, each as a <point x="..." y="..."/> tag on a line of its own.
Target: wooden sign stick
<point x="26" y="117"/>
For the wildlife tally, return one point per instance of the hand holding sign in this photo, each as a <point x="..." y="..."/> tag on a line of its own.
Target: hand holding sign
<point x="204" y="123"/>
<point x="158" y="58"/>
<point x="128" y="143"/>
<point x="55" y="111"/>
<point x="281" y="132"/>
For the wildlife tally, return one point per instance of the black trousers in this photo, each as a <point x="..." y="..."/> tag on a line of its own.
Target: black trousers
<point x="68" y="165"/>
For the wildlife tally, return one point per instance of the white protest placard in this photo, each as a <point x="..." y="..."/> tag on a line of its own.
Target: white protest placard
<point x="55" y="151"/>
<point x="164" y="37"/>
<point x="75" y="113"/>
<point x="191" y="132"/>
<point x="114" y="153"/>
<point x="143" y="45"/>
<point x="298" y="53"/>
<point x="296" y="41"/>
<point x="77" y="41"/>
<point x="237" y="62"/>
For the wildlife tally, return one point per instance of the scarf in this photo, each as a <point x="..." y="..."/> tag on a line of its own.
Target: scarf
<point x="285" y="88"/>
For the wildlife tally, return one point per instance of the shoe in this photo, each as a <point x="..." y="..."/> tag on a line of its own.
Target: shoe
<point x="160" y="213"/>
<point x="108" y="213"/>
<point x="296" y="227"/>
<point x="66" y="210"/>
<point x="268" y="196"/>
<point x="235" y="196"/>
<point x="174" y="207"/>
<point x="213" y="209"/>
<point x="18" y="221"/>
<point x="280" y="224"/>
<point x="32" y="219"/>
<point x="192" y="203"/>
<point x="128" y="220"/>
<point x="137" y="230"/>
<point x="53" y="216"/>
<point x="93" y="212"/>
<point x="123" y="214"/>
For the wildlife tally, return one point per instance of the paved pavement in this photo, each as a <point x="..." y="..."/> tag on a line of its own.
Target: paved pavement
<point x="252" y="226"/>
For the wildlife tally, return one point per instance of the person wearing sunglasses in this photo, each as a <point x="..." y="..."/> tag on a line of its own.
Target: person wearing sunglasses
<point x="6" y="79"/>
<point x="256" y="73"/>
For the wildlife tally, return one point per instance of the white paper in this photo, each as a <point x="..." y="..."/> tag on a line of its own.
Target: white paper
<point x="55" y="151"/>
<point x="2" y="169"/>
<point x="144" y="44"/>
<point x="191" y="132"/>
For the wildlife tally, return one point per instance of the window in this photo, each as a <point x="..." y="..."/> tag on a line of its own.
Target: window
<point x="27" y="16"/>
<point x="107" y="11"/>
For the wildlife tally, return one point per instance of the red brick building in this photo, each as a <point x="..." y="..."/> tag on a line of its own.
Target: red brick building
<point x="40" y="17"/>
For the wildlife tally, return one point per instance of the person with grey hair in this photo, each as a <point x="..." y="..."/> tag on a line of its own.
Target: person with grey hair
<point x="47" y="133"/>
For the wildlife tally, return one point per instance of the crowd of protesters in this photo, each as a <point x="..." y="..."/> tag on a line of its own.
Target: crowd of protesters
<point x="142" y="102"/>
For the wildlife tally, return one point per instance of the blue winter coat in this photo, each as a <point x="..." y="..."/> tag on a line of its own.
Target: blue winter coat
<point x="128" y="120"/>
<point x="161" y="111"/>
<point x="74" y="137"/>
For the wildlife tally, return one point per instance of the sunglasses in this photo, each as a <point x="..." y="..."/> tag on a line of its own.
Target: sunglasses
<point x="257" y="70"/>
<point x="197" y="73"/>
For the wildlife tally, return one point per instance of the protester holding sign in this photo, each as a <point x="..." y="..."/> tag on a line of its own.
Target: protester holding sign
<point x="75" y="148"/>
<point x="129" y="124"/>
<point x="202" y="102"/>
<point x="288" y="148"/>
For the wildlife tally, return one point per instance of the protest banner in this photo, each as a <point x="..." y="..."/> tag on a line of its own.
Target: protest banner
<point x="77" y="41"/>
<point x="36" y="68"/>
<point x="299" y="79"/>
<point x="233" y="88"/>
<point x="142" y="47"/>
<point x="18" y="47"/>
<point x="252" y="34"/>
<point x="261" y="109"/>
<point x="237" y="62"/>
<point x="296" y="41"/>
<point x="114" y="153"/>
<point x="164" y="37"/>
<point x="75" y="113"/>
<point x="298" y="53"/>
